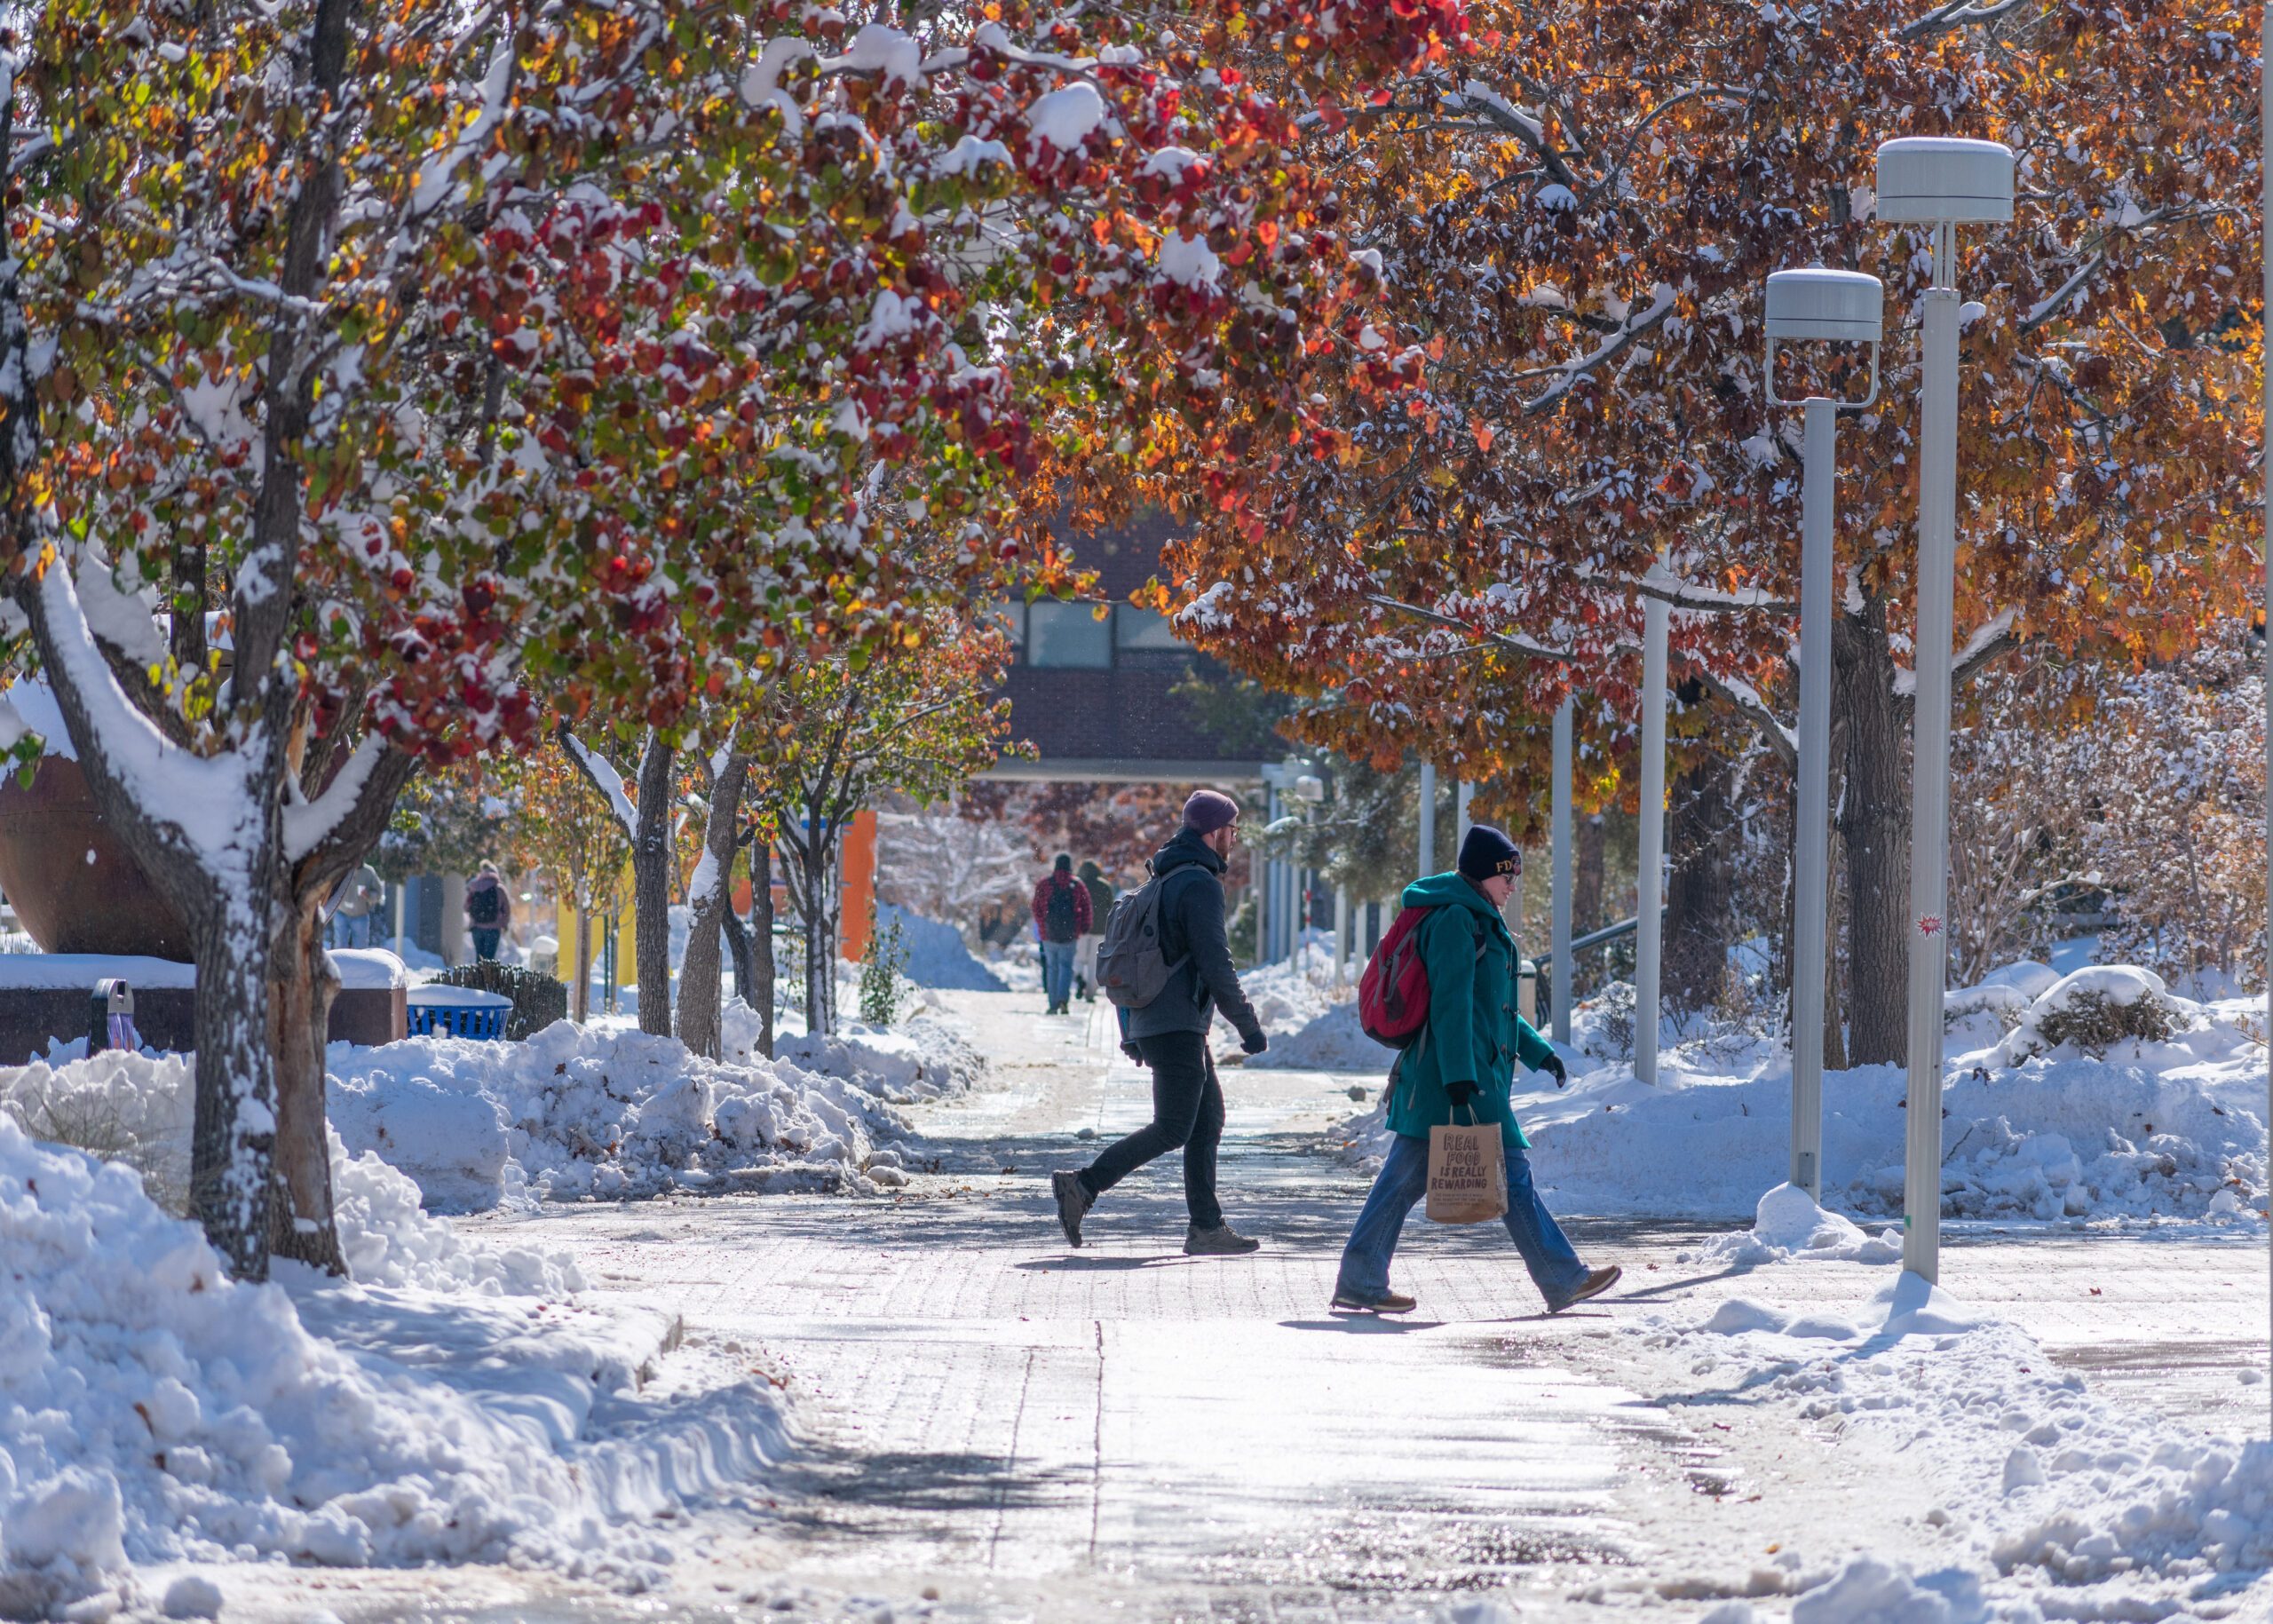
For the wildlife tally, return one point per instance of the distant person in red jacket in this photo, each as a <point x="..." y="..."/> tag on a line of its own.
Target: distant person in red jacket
<point x="1061" y="918"/>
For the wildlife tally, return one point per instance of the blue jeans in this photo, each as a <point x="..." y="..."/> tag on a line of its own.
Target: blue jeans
<point x="1058" y="973"/>
<point x="1404" y="1179"/>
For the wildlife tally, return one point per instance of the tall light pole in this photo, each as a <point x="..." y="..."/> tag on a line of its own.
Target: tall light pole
<point x="1566" y="978"/>
<point x="1461" y="796"/>
<point x="1941" y="182"/>
<point x="2265" y="350"/>
<point x="1649" y="878"/>
<point x="1835" y="307"/>
<point x="1428" y="818"/>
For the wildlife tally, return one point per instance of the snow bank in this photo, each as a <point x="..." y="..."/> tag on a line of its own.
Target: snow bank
<point x="356" y="967"/>
<point x="137" y="1109"/>
<point x="571" y="1113"/>
<point x="158" y="1410"/>
<point x="936" y="953"/>
<point x="1330" y="1041"/>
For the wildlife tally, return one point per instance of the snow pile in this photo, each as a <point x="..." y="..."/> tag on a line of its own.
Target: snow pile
<point x="1788" y="1227"/>
<point x="137" y="1109"/>
<point x="925" y="1058"/>
<point x="160" y="1412"/>
<point x="1330" y="1041"/>
<point x="2060" y="1488"/>
<point x="936" y="953"/>
<point x="573" y="1113"/>
<point x="1290" y="994"/>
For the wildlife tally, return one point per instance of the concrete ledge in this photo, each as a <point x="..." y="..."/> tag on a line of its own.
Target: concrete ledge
<point x="31" y="1016"/>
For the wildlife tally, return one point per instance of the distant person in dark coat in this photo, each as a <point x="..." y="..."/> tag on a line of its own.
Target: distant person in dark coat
<point x="1170" y="1034"/>
<point x="488" y="911"/>
<point x="1061" y="918"/>
<point x="1085" y="951"/>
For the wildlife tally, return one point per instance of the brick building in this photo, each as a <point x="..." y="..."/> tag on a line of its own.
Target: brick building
<point x="1094" y="697"/>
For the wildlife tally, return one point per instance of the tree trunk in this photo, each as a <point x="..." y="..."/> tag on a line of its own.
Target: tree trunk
<point x="651" y="886"/>
<point x="1700" y="898"/>
<point x="233" y="1136"/>
<point x="580" y="990"/>
<point x="1874" y="828"/>
<point x="709" y="897"/>
<point x="737" y="929"/>
<point x="818" y="971"/>
<point x="760" y="993"/>
<point x="299" y="1007"/>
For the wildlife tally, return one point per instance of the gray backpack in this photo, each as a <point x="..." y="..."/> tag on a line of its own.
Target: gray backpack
<point x="1131" y="966"/>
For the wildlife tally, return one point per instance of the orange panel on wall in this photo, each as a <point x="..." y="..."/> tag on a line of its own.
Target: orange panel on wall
<point x="859" y="871"/>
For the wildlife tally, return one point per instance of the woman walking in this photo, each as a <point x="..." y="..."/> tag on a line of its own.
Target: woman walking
<point x="1465" y="1058"/>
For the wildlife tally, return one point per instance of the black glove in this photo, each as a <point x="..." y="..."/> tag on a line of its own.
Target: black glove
<point x="1255" y="1042"/>
<point x="1463" y="1094"/>
<point x="1134" y="1053"/>
<point x="1553" y="1066"/>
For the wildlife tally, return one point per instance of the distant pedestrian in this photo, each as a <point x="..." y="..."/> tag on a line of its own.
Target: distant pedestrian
<point x="355" y="909"/>
<point x="1061" y="918"/>
<point x="1170" y="1033"/>
<point x="1464" y="1058"/>
<point x="488" y="911"/>
<point x="1085" y="951"/>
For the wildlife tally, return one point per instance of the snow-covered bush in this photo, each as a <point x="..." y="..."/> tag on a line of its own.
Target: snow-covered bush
<point x="2096" y="1008"/>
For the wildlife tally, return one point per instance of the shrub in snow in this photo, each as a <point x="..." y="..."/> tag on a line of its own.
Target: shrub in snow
<point x="2096" y="1008"/>
<point x="538" y="1000"/>
<point x="880" y="962"/>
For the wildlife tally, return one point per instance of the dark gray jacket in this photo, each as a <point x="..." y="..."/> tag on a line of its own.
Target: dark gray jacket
<point x="1191" y="929"/>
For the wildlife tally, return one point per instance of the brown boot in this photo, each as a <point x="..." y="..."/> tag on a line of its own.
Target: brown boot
<point x="1597" y="1281"/>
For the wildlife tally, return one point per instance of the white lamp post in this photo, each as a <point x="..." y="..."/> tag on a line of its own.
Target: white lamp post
<point x="1461" y="796"/>
<point x="1837" y="308"/>
<point x="1649" y="879"/>
<point x="2265" y="227"/>
<point x="1428" y="818"/>
<point x="1945" y="183"/>
<point x="1566" y="978"/>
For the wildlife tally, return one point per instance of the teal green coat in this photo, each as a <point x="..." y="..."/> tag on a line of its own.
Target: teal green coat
<point x="1475" y="1034"/>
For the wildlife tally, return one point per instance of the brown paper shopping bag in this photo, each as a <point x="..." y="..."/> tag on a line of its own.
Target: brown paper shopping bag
<point x="1468" y="1173"/>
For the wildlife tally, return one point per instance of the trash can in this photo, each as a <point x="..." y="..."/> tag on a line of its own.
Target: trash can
<point x="438" y="1009"/>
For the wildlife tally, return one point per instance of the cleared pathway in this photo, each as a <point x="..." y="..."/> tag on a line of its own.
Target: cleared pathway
<point x="1011" y="1429"/>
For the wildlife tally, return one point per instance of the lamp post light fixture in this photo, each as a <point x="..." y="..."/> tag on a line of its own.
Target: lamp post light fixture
<point x="1819" y="306"/>
<point x="1566" y="978"/>
<point x="1941" y="182"/>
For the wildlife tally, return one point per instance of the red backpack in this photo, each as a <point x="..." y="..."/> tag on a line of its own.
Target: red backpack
<point x="1393" y="993"/>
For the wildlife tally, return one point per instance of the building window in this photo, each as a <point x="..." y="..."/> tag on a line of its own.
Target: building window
<point x="1011" y="613"/>
<point x="1068" y="636"/>
<point x="1134" y="628"/>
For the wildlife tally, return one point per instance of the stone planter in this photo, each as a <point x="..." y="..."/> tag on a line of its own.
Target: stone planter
<point x="70" y="880"/>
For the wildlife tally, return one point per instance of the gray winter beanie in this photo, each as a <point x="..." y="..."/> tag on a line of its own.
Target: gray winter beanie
<point x="1209" y="810"/>
<point x="1487" y="852"/>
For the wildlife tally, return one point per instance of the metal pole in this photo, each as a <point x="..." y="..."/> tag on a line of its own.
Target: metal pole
<point x="1461" y="796"/>
<point x="1566" y="977"/>
<point x="1340" y="934"/>
<point x="1428" y="818"/>
<point x="1259" y="868"/>
<point x="1929" y="770"/>
<point x="1812" y="854"/>
<point x="1650" y="876"/>
<point x="2265" y="173"/>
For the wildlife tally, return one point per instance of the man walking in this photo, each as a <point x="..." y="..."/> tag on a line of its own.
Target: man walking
<point x="1464" y="1058"/>
<point x="1170" y="1036"/>
<point x="1085" y="951"/>
<point x="488" y="911"/>
<point x="1061" y="918"/>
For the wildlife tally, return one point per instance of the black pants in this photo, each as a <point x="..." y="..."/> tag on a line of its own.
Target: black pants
<point x="1187" y="1109"/>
